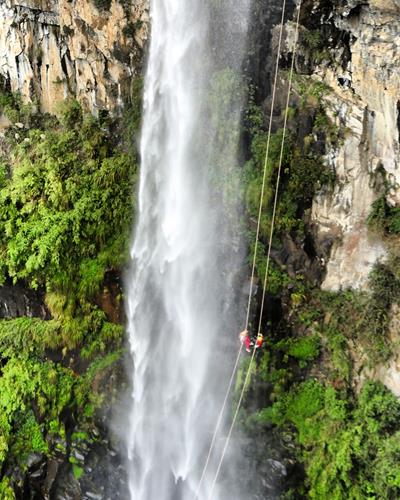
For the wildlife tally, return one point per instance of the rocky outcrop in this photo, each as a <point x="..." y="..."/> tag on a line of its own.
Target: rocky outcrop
<point x="52" y="49"/>
<point x="340" y="216"/>
<point x="363" y="102"/>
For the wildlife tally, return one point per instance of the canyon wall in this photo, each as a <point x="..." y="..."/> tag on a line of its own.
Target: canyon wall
<point x="93" y="50"/>
<point x="363" y="102"/>
<point x="53" y="49"/>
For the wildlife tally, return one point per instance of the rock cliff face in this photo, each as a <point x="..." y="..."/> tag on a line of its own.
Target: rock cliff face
<point x="363" y="101"/>
<point x="52" y="49"/>
<point x="91" y="49"/>
<point x="358" y="61"/>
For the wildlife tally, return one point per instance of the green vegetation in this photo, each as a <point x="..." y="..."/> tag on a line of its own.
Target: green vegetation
<point x="345" y="440"/>
<point x="385" y="218"/>
<point x="304" y="348"/>
<point x="6" y="492"/>
<point x="314" y="42"/>
<point x="342" y="437"/>
<point x="37" y="394"/>
<point x="37" y="336"/>
<point x="65" y="207"/>
<point x="12" y="107"/>
<point x="310" y="93"/>
<point x="303" y="173"/>
<point x="343" y="444"/>
<point x="66" y="192"/>
<point x="66" y="210"/>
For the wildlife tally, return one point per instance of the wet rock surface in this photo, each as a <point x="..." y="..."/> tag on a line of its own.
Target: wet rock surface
<point x="354" y="53"/>
<point x="17" y="301"/>
<point x="267" y="471"/>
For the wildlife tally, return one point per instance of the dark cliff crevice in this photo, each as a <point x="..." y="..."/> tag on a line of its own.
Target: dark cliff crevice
<point x="260" y="64"/>
<point x="398" y="119"/>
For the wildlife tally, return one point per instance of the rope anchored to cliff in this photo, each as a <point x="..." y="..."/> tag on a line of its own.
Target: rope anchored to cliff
<point x="265" y="283"/>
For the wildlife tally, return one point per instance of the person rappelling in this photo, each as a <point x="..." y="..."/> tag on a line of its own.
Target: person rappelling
<point x="248" y="342"/>
<point x="245" y="340"/>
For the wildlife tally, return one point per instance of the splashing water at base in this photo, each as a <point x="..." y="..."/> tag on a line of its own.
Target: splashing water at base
<point x="179" y="289"/>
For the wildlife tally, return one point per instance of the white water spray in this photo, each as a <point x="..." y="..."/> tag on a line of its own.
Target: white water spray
<point x="179" y="288"/>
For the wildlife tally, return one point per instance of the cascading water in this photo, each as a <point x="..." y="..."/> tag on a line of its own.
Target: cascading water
<point x="179" y="288"/>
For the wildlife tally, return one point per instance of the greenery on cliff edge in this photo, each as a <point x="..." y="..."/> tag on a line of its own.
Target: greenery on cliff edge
<point x="66" y="187"/>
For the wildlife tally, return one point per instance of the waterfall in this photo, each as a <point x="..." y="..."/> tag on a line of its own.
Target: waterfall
<point x="181" y="326"/>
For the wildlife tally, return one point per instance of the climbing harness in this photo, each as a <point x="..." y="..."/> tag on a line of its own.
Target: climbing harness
<point x="260" y="338"/>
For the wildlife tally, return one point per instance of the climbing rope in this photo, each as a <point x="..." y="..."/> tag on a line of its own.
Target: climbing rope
<point x="219" y="421"/>
<point x="278" y="180"/>
<point x="246" y="381"/>
<point x="232" y="378"/>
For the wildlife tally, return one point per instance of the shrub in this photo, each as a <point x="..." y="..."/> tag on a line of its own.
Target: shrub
<point x="6" y="492"/>
<point x="66" y="210"/>
<point x="301" y="404"/>
<point x="304" y="348"/>
<point x="386" y="475"/>
<point x="66" y="195"/>
<point x="36" y="394"/>
<point x="384" y="217"/>
<point x="303" y="173"/>
<point x="28" y="335"/>
<point x="344" y="448"/>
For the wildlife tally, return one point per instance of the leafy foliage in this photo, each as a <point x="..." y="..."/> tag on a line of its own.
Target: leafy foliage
<point x="303" y="173"/>
<point x="28" y="335"/>
<point x="14" y="109"/>
<point x="304" y="348"/>
<point x="342" y="438"/>
<point x="22" y="381"/>
<point x="343" y="446"/>
<point x="66" y="194"/>
<point x="347" y="441"/>
<point x="37" y="393"/>
<point x="353" y="317"/>
<point x="66" y="207"/>
<point x="6" y="492"/>
<point x="385" y="217"/>
<point x="35" y="336"/>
